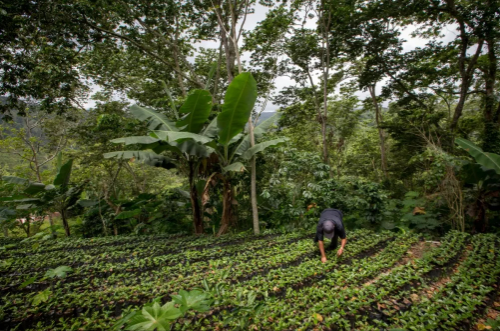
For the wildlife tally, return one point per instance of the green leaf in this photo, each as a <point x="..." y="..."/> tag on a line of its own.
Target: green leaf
<point x="197" y="107"/>
<point x="264" y="126"/>
<point x="147" y="157"/>
<point x="156" y="121"/>
<point x="195" y="300"/>
<point x="25" y="207"/>
<point x="29" y="281"/>
<point x="41" y="297"/>
<point x="261" y="147"/>
<point x="122" y="321"/>
<point x="211" y="130"/>
<point x="154" y="317"/>
<point x="236" y="166"/>
<point x="191" y="147"/>
<point x="60" y="272"/>
<point x="15" y="180"/>
<point x="128" y="214"/>
<point x="34" y="188"/>
<point x="62" y="178"/>
<point x="488" y="160"/>
<point x="171" y="136"/>
<point x="142" y="140"/>
<point x="238" y="104"/>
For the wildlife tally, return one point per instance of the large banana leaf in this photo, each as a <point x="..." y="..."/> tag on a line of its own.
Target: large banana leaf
<point x="34" y="188"/>
<point x="197" y="107"/>
<point x="258" y="131"/>
<point x="147" y="157"/>
<point x="211" y="130"/>
<point x="31" y="187"/>
<point x="155" y="120"/>
<point x="261" y="147"/>
<point x="488" y="160"/>
<point x="193" y="148"/>
<point x="15" y="180"/>
<point x="62" y="178"/>
<point x="264" y="126"/>
<point x="236" y="166"/>
<point x="141" y="140"/>
<point x="238" y="104"/>
<point x="171" y="136"/>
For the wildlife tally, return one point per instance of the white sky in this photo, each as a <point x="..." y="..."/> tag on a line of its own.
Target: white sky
<point x="283" y="81"/>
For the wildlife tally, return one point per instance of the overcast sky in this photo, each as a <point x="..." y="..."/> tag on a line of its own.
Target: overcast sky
<point x="283" y="81"/>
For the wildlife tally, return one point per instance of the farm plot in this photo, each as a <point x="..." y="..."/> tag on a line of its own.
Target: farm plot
<point x="274" y="281"/>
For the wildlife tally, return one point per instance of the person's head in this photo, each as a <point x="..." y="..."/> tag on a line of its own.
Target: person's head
<point x="328" y="229"/>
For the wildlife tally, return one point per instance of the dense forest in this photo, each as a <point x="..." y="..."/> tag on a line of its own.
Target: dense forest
<point x="229" y="121"/>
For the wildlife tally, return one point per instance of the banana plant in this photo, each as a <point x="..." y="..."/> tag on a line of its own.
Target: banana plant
<point x="58" y="196"/>
<point x="484" y="176"/>
<point x="220" y="143"/>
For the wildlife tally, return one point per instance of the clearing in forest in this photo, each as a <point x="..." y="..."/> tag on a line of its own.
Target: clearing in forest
<point x="275" y="281"/>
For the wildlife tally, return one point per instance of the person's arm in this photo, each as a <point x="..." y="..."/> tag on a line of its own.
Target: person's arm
<point x="342" y="245"/>
<point x="322" y="250"/>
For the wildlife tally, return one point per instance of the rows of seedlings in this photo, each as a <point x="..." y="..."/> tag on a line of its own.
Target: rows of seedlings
<point x="108" y="298"/>
<point x="391" y="289"/>
<point x="137" y="265"/>
<point x="293" y="310"/>
<point x="456" y="304"/>
<point x="116" y="253"/>
<point x="281" y="282"/>
<point x="338" y="301"/>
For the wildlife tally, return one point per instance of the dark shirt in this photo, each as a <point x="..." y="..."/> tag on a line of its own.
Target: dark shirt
<point x="335" y="216"/>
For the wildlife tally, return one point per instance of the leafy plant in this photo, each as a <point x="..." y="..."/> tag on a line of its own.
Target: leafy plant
<point x="59" y="272"/>
<point x="154" y="316"/>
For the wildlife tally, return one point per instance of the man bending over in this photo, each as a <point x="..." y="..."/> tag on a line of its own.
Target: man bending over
<point x="330" y="225"/>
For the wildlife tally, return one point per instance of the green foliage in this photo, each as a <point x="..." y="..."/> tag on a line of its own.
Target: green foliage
<point x="41" y="297"/>
<point x="196" y="108"/>
<point x="59" y="272"/>
<point x="153" y="316"/>
<point x="238" y="104"/>
<point x="488" y="160"/>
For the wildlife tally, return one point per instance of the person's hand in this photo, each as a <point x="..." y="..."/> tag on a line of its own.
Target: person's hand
<point x="323" y="259"/>
<point x="340" y="251"/>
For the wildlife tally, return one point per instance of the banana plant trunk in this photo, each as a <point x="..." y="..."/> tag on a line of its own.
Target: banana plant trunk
<point x="65" y="222"/>
<point x="227" y="207"/>
<point x="195" y="201"/>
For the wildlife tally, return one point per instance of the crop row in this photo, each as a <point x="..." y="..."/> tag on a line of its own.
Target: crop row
<point x="137" y="266"/>
<point x="80" y="301"/>
<point x="156" y="257"/>
<point x="337" y="301"/>
<point x="294" y="308"/>
<point x="282" y="282"/>
<point x="47" y="257"/>
<point x="454" y="305"/>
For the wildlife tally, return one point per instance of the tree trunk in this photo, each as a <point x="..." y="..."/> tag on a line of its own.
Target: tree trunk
<point x="65" y="223"/>
<point x="51" y="222"/>
<point x="491" y="136"/>
<point x="253" y="182"/>
<point x="195" y="203"/>
<point x="227" y="208"/>
<point x="381" y="132"/>
<point x="115" y="230"/>
<point x="465" y="75"/>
